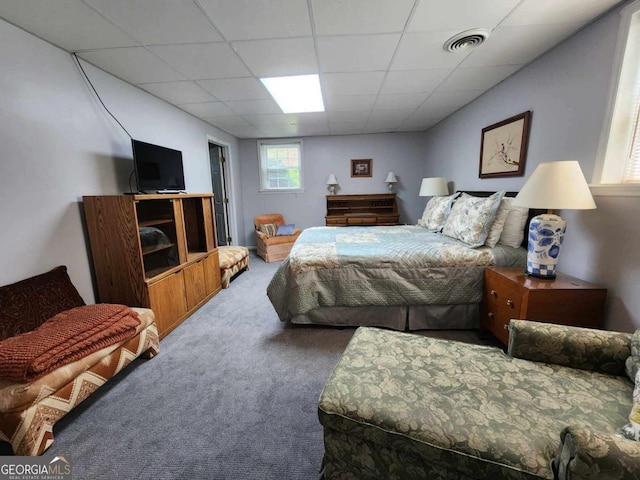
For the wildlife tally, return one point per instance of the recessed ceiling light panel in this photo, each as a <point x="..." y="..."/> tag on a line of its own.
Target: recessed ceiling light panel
<point x="466" y="40"/>
<point x="296" y="94"/>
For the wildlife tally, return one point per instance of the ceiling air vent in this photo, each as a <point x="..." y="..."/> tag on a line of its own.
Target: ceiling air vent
<point x="466" y="40"/>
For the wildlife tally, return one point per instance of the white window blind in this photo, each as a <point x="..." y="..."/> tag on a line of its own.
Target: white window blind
<point x="280" y="165"/>
<point x="632" y="167"/>
<point x="617" y="169"/>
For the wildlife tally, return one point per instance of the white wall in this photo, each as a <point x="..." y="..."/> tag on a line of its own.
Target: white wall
<point x="59" y="144"/>
<point x="567" y="91"/>
<point x="403" y="153"/>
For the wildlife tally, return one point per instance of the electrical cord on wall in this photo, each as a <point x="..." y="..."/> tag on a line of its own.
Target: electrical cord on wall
<point x="77" y="60"/>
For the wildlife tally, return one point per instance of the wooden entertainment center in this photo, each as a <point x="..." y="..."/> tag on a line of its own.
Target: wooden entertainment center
<point x="155" y="251"/>
<point x="362" y="210"/>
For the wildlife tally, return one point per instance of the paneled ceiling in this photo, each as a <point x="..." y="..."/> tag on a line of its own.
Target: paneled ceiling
<point x="381" y="63"/>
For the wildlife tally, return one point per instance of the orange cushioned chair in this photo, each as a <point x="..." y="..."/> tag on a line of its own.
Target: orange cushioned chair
<point x="272" y="247"/>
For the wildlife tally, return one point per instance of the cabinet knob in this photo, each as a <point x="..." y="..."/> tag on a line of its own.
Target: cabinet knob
<point x="490" y="314"/>
<point x="510" y="303"/>
<point x="506" y="326"/>
<point x="494" y="293"/>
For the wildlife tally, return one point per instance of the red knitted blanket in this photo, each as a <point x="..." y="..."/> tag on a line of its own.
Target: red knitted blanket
<point x="65" y="338"/>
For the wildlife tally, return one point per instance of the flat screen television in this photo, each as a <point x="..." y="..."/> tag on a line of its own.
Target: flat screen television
<point x="157" y="168"/>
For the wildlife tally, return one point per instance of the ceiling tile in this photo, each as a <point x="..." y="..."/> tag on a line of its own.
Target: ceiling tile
<point x="414" y="81"/>
<point x="133" y="64"/>
<point x="226" y="121"/>
<point x="518" y="45"/>
<point x="269" y="119"/>
<point x="345" y="128"/>
<point x="279" y="57"/>
<point x="253" y="19"/>
<point x="342" y="103"/>
<point x="389" y="117"/>
<point x="246" y="107"/>
<point x="476" y="78"/>
<point x="459" y="15"/>
<point x="178" y="92"/>
<point x="70" y="24"/>
<point x="356" y="53"/>
<point x="175" y="21"/>
<point x="310" y="119"/>
<point x="424" y="50"/>
<point x="243" y="132"/>
<point x="202" y="60"/>
<point x="342" y="117"/>
<point x="279" y="131"/>
<point x="247" y="88"/>
<point x="335" y="17"/>
<point x="399" y="100"/>
<point x="207" y="109"/>
<point x="360" y="83"/>
<point x="539" y="12"/>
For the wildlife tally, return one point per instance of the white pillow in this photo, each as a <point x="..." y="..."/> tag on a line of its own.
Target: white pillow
<point x="471" y="217"/>
<point x="513" y="231"/>
<point x="436" y="212"/>
<point x="498" y="222"/>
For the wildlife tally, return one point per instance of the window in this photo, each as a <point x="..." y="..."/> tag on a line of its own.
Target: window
<point x="280" y="165"/>
<point x="618" y="167"/>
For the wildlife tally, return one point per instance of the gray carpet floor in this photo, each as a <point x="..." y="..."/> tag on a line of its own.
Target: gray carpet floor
<point x="231" y="395"/>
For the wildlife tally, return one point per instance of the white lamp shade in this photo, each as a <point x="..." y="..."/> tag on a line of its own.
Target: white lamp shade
<point x="433" y="186"/>
<point x="556" y="185"/>
<point x="391" y="178"/>
<point x="332" y="180"/>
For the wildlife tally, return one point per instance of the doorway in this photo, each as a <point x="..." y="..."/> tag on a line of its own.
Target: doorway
<point x="217" y="159"/>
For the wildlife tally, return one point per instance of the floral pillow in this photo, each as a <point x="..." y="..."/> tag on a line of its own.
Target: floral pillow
<point x="269" y="229"/>
<point x="436" y="212"/>
<point x="471" y="218"/>
<point x="632" y="429"/>
<point x="632" y="365"/>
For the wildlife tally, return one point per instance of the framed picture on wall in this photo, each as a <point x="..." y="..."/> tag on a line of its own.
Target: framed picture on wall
<point x="361" y="167"/>
<point x="503" y="148"/>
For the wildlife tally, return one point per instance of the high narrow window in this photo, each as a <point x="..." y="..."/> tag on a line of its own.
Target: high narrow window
<point x="618" y="166"/>
<point x="280" y="165"/>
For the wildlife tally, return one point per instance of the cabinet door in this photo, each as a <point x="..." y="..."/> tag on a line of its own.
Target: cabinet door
<point x="167" y="300"/>
<point x="212" y="273"/>
<point x="194" y="284"/>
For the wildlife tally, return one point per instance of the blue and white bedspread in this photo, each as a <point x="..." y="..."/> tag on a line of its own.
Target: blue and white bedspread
<point x="381" y="266"/>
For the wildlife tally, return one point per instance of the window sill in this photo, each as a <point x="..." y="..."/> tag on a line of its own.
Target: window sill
<point x="615" y="190"/>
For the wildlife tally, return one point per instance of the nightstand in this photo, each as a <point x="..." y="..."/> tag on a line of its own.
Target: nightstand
<point x="509" y="293"/>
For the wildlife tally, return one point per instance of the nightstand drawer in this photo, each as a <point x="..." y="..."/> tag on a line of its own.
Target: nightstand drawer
<point x="502" y="303"/>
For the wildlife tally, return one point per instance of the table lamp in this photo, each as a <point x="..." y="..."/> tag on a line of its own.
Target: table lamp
<point x="332" y="182"/>
<point x="390" y="180"/>
<point x="553" y="185"/>
<point x="433" y="186"/>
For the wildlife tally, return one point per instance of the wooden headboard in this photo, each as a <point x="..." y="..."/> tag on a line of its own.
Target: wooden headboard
<point x="532" y="211"/>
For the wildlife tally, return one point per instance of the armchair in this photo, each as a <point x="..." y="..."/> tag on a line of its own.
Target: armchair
<point x="272" y="247"/>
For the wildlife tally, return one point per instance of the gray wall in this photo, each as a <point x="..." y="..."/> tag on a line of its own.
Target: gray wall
<point x="403" y="153"/>
<point x="567" y="91"/>
<point x="58" y="144"/>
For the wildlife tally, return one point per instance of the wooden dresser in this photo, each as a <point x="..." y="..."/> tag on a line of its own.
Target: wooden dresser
<point x="362" y="210"/>
<point x="509" y="293"/>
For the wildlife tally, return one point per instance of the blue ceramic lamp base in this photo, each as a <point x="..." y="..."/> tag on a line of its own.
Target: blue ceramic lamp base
<point x="546" y="233"/>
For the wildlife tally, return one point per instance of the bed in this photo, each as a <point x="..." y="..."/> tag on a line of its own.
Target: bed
<point x="404" y="277"/>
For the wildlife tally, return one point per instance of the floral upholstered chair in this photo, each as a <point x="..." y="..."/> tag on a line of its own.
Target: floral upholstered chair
<point x="274" y="236"/>
<point x="404" y="406"/>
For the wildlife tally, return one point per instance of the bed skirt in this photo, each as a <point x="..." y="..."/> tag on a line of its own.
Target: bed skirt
<point x="415" y="317"/>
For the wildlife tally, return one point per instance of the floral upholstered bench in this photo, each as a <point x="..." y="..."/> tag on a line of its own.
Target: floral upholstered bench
<point x="233" y="259"/>
<point x="403" y="406"/>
